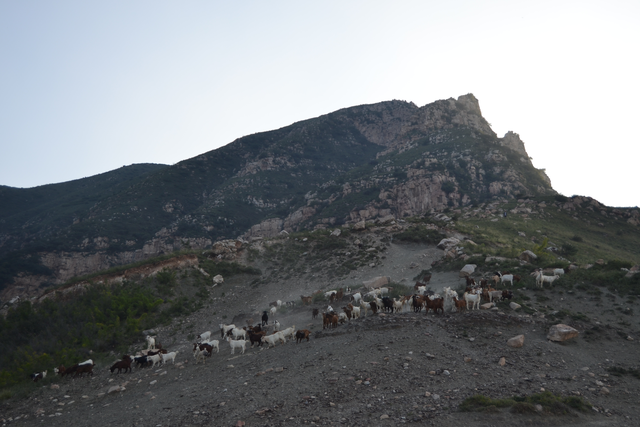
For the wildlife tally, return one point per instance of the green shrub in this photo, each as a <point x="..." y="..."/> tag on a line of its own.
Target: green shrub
<point x="419" y="234"/>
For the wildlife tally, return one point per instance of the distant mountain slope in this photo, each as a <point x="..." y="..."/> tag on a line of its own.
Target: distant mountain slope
<point x="391" y="159"/>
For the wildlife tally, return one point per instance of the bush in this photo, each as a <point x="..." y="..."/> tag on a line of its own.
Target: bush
<point x="419" y="234"/>
<point x="568" y="250"/>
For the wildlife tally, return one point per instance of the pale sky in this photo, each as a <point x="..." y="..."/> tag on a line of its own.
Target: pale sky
<point x="87" y="87"/>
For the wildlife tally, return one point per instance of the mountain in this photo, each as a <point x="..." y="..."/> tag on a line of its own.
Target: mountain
<point x="386" y="160"/>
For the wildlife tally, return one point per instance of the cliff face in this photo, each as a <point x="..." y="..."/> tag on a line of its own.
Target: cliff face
<point x="387" y="160"/>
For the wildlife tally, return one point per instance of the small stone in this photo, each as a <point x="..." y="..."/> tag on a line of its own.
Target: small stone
<point x="427" y="394"/>
<point x="502" y="361"/>
<point x="153" y="382"/>
<point x="604" y="390"/>
<point x="55" y="386"/>
<point x="384" y="417"/>
<point x="445" y="372"/>
<point x="561" y="332"/>
<point x="332" y="404"/>
<point x="279" y="369"/>
<point x="516" y="342"/>
<point x="468" y="359"/>
<point x="114" y="389"/>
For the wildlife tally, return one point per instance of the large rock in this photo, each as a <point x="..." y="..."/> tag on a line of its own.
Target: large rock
<point x="561" y="332"/>
<point x="448" y="243"/>
<point x="359" y="225"/>
<point x="467" y="270"/>
<point x="218" y="279"/>
<point x="487" y="306"/>
<point x="376" y="282"/>
<point x="514" y="305"/>
<point x="516" y="342"/>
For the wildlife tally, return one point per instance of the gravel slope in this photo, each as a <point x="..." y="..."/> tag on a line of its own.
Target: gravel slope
<point x="380" y="370"/>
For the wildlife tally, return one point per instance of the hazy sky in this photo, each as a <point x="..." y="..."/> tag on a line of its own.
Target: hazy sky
<point x="87" y="87"/>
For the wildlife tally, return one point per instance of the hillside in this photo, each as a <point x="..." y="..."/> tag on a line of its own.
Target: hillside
<point x="385" y="369"/>
<point x="387" y="160"/>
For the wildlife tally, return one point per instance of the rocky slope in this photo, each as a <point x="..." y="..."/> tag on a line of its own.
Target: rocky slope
<point x="385" y="369"/>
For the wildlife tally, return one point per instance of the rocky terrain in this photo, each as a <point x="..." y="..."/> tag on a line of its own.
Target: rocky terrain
<point x="385" y="369"/>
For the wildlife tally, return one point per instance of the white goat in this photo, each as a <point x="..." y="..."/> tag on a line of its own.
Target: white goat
<point x="342" y="318"/>
<point x="204" y="336"/>
<point x="225" y="328"/>
<point x="474" y="299"/>
<point x="169" y="356"/>
<point x="272" y="339"/>
<point x="397" y="305"/>
<point x="495" y="295"/>
<point x="151" y="343"/>
<point x="155" y="359"/>
<point x="558" y="271"/>
<point x="328" y="294"/>
<point x="239" y="332"/>
<point x="237" y="344"/>
<point x="279" y="303"/>
<point x="449" y="295"/>
<point x="273" y="310"/>
<point x="507" y="278"/>
<point x="290" y="332"/>
<point x="356" y="297"/>
<point x="355" y="313"/>
<point x="365" y="306"/>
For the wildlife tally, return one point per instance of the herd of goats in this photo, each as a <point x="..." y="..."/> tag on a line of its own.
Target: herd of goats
<point x="359" y="303"/>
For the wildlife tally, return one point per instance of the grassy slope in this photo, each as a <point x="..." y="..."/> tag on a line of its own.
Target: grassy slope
<point x="617" y="240"/>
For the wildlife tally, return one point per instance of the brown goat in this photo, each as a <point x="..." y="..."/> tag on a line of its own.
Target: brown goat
<point x="122" y="364"/>
<point x="460" y="304"/>
<point x="302" y="334"/>
<point x="85" y="368"/>
<point x="315" y="313"/>
<point x="435" y="305"/>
